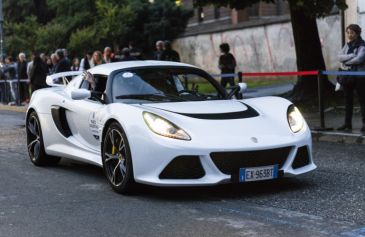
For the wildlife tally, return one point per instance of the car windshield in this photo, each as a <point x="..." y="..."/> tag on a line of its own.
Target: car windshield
<point x="165" y="85"/>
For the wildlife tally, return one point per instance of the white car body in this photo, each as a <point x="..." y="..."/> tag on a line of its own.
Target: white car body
<point x="152" y="153"/>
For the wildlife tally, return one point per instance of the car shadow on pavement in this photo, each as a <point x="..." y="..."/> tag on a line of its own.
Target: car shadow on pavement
<point x="226" y="191"/>
<point x="80" y="169"/>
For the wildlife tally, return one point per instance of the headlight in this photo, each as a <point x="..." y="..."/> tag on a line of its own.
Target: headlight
<point x="295" y="119"/>
<point x="164" y="128"/>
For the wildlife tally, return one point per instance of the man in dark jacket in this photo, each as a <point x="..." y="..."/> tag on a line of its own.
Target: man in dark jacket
<point x="63" y="64"/>
<point x="227" y="64"/>
<point x="169" y="54"/>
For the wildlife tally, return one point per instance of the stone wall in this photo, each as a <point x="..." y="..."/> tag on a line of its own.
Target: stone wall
<point x="268" y="47"/>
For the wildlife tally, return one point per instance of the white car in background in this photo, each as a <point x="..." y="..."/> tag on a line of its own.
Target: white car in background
<point x="165" y="124"/>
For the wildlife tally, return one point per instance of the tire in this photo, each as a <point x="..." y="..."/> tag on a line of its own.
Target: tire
<point x="117" y="160"/>
<point x="35" y="145"/>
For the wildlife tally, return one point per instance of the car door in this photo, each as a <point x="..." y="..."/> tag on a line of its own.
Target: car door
<point x="83" y="115"/>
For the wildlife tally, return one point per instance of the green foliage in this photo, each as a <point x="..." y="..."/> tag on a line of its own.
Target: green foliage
<point x="83" y="25"/>
<point x="50" y="37"/>
<point x="20" y="36"/>
<point x="114" y="20"/>
<point x="162" y="20"/>
<point x="16" y="11"/>
<point x="83" y="40"/>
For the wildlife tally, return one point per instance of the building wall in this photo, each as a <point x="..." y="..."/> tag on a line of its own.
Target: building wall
<point x="262" y="48"/>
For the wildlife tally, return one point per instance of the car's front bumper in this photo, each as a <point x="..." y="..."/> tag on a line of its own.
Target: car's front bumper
<point x="151" y="160"/>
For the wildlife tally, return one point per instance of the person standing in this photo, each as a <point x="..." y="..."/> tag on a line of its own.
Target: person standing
<point x="126" y="56"/>
<point x="108" y="55"/>
<point x="352" y="58"/>
<point x="159" y="49"/>
<point x="75" y="64"/>
<point x="22" y="75"/>
<point x="227" y="65"/>
<point x="97" y="58"/>
<point x="63" y="64"/>
<point x="54" y="60"/>
<point x="169" y="54"/>
<point x="134" y="51"/>
<point x="87" y="62"/>
<point x="38" y="74"/>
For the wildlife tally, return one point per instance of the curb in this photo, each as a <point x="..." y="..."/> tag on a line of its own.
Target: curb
<point x="338" y="137"/>
<point x="19" y="109"/>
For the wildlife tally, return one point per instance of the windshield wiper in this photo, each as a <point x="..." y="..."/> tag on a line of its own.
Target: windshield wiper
<point x="152" y="97"/>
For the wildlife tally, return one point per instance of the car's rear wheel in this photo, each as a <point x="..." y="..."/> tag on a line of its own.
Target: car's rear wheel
<point x="117" y="160"/>
<point x="35" y="143"/>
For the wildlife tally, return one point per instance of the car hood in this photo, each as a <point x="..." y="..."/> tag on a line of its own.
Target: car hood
<point x="202" y="107"/>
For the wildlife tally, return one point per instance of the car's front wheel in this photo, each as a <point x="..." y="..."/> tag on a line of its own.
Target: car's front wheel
<point x="117" y="160"/>
<point x="35" y="143"/>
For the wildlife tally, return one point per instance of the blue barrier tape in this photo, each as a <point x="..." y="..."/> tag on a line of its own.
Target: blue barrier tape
<point x="3" y="81"/>
<point x="224" y="75"/>
<point x="343" y="73"/>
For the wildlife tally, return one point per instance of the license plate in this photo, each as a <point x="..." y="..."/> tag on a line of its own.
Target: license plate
<point x="258" y="173"/>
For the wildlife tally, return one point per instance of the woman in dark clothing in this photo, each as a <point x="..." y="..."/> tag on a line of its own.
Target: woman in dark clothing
<point x="38" y="74"/>
<point x="227" y="64"/>
<point x="352" y="58"/>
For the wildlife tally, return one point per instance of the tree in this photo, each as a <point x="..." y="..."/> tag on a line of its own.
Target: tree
<point x="84" y="25"/>
<point x="20" y="36"/>
<point x="161" y="20"/>
<point x="303" y="18"/>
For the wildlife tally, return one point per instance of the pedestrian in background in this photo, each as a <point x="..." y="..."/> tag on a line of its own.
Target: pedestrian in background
<point x="49" y="65"/>
<point x="159" y="49"/>
<point x="126" y="56"/>
<point x="75" y="64"/>
<point x="108" y="55"/>
<point x="54" y="60"/>
<point x="98" y="58"/>
<point x="134" y="51"/>
<point x="63" y="64"/>
<point x="227" y="65"/>
<point x="38" y="74"/>
<point x="87" y="62"/>
<point x="10" y="68"/>
<point x="22" y="75"/>
<point x="169" y="54"/>
<point x="352" y="58"/>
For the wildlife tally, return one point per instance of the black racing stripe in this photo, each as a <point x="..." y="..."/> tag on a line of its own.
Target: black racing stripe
<point x="249" y="113"/>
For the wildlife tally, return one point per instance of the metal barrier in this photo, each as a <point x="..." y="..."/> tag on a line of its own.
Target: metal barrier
<point x="10" y="90"/>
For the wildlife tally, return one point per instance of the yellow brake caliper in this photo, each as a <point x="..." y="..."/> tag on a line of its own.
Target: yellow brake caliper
<point x="114" y="150"/>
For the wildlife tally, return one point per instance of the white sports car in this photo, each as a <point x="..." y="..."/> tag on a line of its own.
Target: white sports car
<point x="165" y="124"/>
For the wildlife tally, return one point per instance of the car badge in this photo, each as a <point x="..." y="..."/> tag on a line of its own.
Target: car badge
<point x="254" y="139"/>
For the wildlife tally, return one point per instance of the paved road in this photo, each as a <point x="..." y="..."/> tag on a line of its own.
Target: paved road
<point x="74" y="199"/>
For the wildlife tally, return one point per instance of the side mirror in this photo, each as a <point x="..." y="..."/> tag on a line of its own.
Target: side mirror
<point x="80" y="94"/>
<point x="243" y="87"/>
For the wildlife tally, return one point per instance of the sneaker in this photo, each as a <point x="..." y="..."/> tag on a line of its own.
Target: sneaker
<point x="345" y="128"/>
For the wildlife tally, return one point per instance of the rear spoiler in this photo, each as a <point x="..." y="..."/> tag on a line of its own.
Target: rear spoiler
<point x="60" y="79"/>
